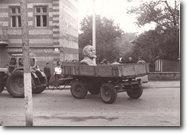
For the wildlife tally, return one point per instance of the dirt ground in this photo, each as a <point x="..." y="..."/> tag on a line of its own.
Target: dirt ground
<point x="158" y="106"/>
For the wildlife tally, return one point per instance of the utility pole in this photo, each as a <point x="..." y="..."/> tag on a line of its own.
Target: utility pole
<point x="94" y="28"/>
<point x="27" y="73"/>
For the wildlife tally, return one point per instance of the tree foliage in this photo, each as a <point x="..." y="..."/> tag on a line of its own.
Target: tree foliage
<point x="158" y="11"/>
<point x="125" y="46"/>
<point x="163" y="41"/>
<point x="106" y="34"/>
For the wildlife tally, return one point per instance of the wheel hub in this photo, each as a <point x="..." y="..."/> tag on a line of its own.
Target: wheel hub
<point x="107" y="93"/>
<point x="78" y="89"/>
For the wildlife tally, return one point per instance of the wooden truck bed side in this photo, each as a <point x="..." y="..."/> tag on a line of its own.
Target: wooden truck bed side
<point x="106" y="70"/>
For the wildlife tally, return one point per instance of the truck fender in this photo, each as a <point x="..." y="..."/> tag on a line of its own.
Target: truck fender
<point x="43" y="74"/>
<point x="34" y="75"/>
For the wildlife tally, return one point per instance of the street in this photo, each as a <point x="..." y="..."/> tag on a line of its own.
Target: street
<point x="158" y="106"/>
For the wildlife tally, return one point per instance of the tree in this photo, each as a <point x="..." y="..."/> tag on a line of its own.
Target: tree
<point x="106" y="34"/>
<point x="124" y="45"/>
<point x="147" y="46"/>
<point x="158" y="11"/>
<point x="163" y="41"/>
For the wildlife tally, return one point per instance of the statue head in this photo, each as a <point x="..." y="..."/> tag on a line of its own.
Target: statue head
<point x="89" y="51"/>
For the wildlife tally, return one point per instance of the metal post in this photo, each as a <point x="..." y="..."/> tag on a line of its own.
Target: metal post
<point x="27" y="73"/>
<point x="94" y="28"/>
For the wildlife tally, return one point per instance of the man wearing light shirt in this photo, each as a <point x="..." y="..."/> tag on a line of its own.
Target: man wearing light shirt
<point x="58" y="72"/>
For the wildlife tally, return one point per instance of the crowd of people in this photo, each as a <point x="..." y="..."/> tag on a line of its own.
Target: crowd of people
<point x="122" y="61"/>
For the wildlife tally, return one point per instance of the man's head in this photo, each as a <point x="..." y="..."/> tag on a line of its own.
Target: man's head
<point x="47" y="64"/>
<point x="89" y="51"/>
<point x="58" y="63"/>
<point x="130" y="59"/>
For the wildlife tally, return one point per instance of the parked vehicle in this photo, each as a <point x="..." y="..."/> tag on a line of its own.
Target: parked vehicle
<point x="106" y="80"/>
<point x="12" y="77"/>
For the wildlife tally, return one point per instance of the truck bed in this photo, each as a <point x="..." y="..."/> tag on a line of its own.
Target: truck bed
<point x="125" y="70"/>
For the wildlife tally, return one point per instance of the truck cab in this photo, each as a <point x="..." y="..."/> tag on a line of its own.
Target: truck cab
<point x="11" y="76"/>
<point x="16" y="62"/>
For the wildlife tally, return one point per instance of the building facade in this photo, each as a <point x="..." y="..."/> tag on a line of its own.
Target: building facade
<point x="52" y="24"/>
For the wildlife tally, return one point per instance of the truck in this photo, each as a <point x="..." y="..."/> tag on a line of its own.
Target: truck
<point x="106" y="80"/>
<point x="11" y="77"/>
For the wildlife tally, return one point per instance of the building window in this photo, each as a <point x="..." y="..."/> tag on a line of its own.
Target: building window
<point x="15" y="16"/>
<point x="41" y="16"/>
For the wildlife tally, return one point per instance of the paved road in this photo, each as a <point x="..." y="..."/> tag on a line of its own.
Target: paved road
<point x="158" y="106"/>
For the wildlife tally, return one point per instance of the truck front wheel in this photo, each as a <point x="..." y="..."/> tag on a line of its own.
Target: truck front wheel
<point x="108" y="93"/>
<point x="78" y="89"/>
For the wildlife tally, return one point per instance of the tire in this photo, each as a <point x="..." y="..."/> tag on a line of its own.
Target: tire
<point x="108" y="93"/>
<point x="78" y="89"/>
<point x="38" y="90"/>
<point x="135" y="92"/>
<point x="37" y="85"/>
<point x="15" y="85"/>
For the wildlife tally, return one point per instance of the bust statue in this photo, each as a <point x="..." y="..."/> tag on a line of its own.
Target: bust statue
<point x="89" y="53"/>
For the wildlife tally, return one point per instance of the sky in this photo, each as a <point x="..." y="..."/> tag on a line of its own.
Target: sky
<point x="112" y="9"/>
<point x="116" y="10"/>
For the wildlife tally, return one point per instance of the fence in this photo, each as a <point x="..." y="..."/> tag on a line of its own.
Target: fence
<point x="162" y="65"/>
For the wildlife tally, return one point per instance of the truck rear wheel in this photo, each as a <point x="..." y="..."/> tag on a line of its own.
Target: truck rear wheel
<point x="78" y="89"/>
<point x="15" y="85"/>
<point x="135" y="92"/>
<point x="38" y="90"/>
<point x="108" y="93"/>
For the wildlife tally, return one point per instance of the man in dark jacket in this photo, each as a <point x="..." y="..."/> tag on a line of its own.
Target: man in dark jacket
<point x="47" y="72"/>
